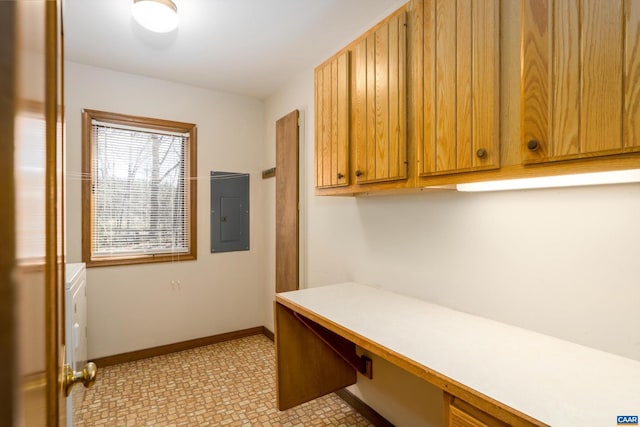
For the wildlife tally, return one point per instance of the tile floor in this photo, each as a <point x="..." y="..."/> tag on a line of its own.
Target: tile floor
<point x="226" y="384"/>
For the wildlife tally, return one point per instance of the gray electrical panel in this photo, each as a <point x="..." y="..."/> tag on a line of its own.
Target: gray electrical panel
<point x="229" y="212"/>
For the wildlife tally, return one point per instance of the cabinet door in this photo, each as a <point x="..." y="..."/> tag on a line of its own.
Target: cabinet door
<point x="332" y="122"/>
<point x="379" y="103"/>
<point x="457" y="418"/>
<point x="459" y="413"/>
<point x="455" y="76"/>
<point x="580" y="78"/>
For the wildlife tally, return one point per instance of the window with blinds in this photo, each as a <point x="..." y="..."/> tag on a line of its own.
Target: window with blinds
<point x="140" y="190"/>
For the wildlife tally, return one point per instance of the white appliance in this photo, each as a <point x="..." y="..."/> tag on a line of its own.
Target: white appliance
<point x="75" y="328"/>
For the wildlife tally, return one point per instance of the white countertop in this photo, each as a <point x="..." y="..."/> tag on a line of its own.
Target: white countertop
<point x="552" y="380"/>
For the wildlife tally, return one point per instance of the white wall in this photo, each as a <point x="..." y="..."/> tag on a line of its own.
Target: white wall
<point x="564" y="262"/>
<point x="135" y="307"/>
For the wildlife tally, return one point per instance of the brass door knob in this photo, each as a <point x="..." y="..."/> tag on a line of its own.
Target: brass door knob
<point x="359" y="173"/>
<point x="87" y="377"/>
<point x="481" y="153"/>
<point x="533" y="145"/>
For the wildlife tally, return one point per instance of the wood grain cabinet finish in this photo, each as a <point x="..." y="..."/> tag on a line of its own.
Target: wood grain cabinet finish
<point x="459" y="413"/>
<point x="379" y="131"/>
<point x="459" y="418"/>
<point x="455" y="84"/>
<point x="332" y="122"/>
<point x="580" y="79"/>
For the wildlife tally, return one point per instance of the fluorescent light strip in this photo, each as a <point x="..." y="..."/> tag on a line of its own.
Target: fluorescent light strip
<point x="597" y="178"/>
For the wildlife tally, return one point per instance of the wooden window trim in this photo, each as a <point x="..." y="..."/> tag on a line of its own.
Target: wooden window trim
<point x="87" y="214"/>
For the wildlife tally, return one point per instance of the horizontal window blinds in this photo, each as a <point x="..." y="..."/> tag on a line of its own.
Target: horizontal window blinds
<point x="30" y="160"/>
<point x="139" y="191"/>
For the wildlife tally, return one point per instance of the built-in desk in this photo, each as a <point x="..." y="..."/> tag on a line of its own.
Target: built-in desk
<point x="516" y="376"/>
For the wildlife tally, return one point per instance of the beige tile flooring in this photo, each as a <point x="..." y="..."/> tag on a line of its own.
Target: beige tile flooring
<point x="226" y="384"/>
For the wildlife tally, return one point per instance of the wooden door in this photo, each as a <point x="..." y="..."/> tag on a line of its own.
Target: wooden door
<point x="332" y="122"/>
<point x="287" y="200"/>
<point x="31" y="217"/>
<point x="379" y="129"/>
<point x="580" y="78"/>
<point x="8" y="74"/>
<point x="455" y="75"/>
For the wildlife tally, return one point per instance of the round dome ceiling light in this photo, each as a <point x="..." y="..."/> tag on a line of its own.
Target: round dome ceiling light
<point x="160" y="16"/>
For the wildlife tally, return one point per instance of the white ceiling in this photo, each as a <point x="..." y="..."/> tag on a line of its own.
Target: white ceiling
<point x="250" y="47"/>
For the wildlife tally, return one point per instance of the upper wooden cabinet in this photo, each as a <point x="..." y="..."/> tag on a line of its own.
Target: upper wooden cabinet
<point x="332" y="122"/>
<point x="360" y="112"/>
<point x="580" y="78"/>
<point x="455" y="84"/>
<point x="379" y="132"/>
<point x="443" y="92"/>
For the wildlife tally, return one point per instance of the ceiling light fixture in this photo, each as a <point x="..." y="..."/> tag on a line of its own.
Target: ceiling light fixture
<point x="160" y="16"/>
<point x="596" y="178"/>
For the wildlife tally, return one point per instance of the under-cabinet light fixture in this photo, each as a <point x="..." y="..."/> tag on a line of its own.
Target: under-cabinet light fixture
<point x="160" y="16"/>
<point x="595" y="178"/>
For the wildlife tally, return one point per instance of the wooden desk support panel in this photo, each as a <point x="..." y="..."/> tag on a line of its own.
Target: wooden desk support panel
<point x="307" y="368"/>
<point x="341" y="346"/>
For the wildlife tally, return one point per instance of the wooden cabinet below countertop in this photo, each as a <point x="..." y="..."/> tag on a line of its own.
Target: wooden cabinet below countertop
<point x="458" y="413"/>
